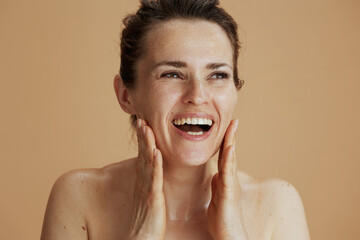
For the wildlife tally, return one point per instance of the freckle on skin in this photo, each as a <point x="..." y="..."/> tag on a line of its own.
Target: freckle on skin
<point x="64" y="227"/>
<point x="123" y="204"/>
<point x="83" y="228"/>
<point x="270" y="214"/>
<point x="205" y="189"/>
<point x="82" y="181"/>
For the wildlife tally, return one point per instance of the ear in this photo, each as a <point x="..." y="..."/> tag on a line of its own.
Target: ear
<point x="123" y="96"/>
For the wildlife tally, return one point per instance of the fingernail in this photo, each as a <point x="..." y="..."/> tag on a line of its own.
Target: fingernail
<point x="154" y="152"/>
<point x="138" y="123"/>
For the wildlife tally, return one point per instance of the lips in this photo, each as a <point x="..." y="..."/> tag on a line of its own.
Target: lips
<point x="193" y="126"/>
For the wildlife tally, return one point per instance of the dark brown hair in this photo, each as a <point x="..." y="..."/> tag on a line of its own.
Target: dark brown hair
<point x="152" y="12"/>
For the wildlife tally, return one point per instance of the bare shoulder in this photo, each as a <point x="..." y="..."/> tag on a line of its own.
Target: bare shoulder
<point x="76" y="193"/>
<point x="272" y="191"/>
<point x="278" y="203"/>
<point x="83" y="184"/>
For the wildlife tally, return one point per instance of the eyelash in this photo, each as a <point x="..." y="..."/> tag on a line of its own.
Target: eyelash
<point x="224" y="75"/>
<point x="172" y="73"/>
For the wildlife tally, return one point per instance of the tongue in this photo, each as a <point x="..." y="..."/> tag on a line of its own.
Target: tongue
<point x="190" y="128"/>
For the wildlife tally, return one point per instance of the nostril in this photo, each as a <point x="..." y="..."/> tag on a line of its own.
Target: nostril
<point x="195" y="96"/>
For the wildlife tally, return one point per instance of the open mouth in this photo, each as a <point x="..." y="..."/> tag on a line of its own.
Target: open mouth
<point x="193" y="126"/>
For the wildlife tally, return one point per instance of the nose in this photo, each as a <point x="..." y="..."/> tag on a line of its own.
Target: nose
<point x="195" y="93"/>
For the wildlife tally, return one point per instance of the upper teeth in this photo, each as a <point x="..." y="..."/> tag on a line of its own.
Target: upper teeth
<point x="193" y="121"/>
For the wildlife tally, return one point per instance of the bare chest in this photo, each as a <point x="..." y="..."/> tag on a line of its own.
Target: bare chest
<point x="114" y="224"/>
<point x="112" y="221"/>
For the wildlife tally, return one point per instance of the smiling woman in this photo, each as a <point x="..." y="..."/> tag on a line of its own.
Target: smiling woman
<point x="178" y="80"/>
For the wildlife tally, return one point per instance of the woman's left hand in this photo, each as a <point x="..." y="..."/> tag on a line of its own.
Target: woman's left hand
<point x="224" y="214"/>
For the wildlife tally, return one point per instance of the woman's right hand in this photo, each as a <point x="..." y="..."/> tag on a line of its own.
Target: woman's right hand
<point x="149" y="214"/>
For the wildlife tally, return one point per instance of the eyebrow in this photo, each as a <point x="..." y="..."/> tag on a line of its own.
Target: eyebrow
<point x="179" y="64"/>
<point x="176" y="64"/>
<point x="217" y="65"/>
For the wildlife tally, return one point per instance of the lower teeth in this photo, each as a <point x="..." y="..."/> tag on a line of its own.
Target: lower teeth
<point x="195" y="133"/>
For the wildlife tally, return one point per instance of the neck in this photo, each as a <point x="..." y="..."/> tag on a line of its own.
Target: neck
<point x="187" y="189"/>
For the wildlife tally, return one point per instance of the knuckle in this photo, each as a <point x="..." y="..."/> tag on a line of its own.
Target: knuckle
<point x="147" y="162"/>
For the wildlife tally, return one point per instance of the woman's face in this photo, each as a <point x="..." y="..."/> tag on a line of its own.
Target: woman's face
<point x="186" y="76"/>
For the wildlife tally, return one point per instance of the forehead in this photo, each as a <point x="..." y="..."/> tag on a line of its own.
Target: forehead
<point x="188" y="40"/>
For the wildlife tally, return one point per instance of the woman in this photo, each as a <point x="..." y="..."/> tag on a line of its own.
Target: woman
<point x="178" y="81"/>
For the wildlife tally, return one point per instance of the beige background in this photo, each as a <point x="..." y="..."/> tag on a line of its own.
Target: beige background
<point x="299" y="110"/>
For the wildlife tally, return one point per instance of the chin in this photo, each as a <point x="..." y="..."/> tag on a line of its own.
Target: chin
<point x="190" y="157"/>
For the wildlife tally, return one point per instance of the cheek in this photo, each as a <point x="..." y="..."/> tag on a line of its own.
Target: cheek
<point x="226" y="102"/>
<point x="164" y="97"/>
<point x="232" y="102"/>
<point x="157" y="102"/>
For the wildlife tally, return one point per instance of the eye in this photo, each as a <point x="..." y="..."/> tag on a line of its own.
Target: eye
<point x="220" y="75"/>
<point x="171" y="75"/>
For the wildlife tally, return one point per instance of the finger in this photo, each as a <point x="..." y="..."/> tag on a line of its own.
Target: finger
<point x="157" y="180"/>
<point x="227" y="173"/>
<point x="229" y="140"/>
<point x="230" y="134"/>
<point x="149" y="141"/>
<point x="235" y="162"/>
<point x="146" y="142"/>
<point x="140" y="132"/>
<point x="214" y="182"/>
<point x="148" y="136"/>
<point x="141" y="144"/>
<point x="220" y="155"/>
